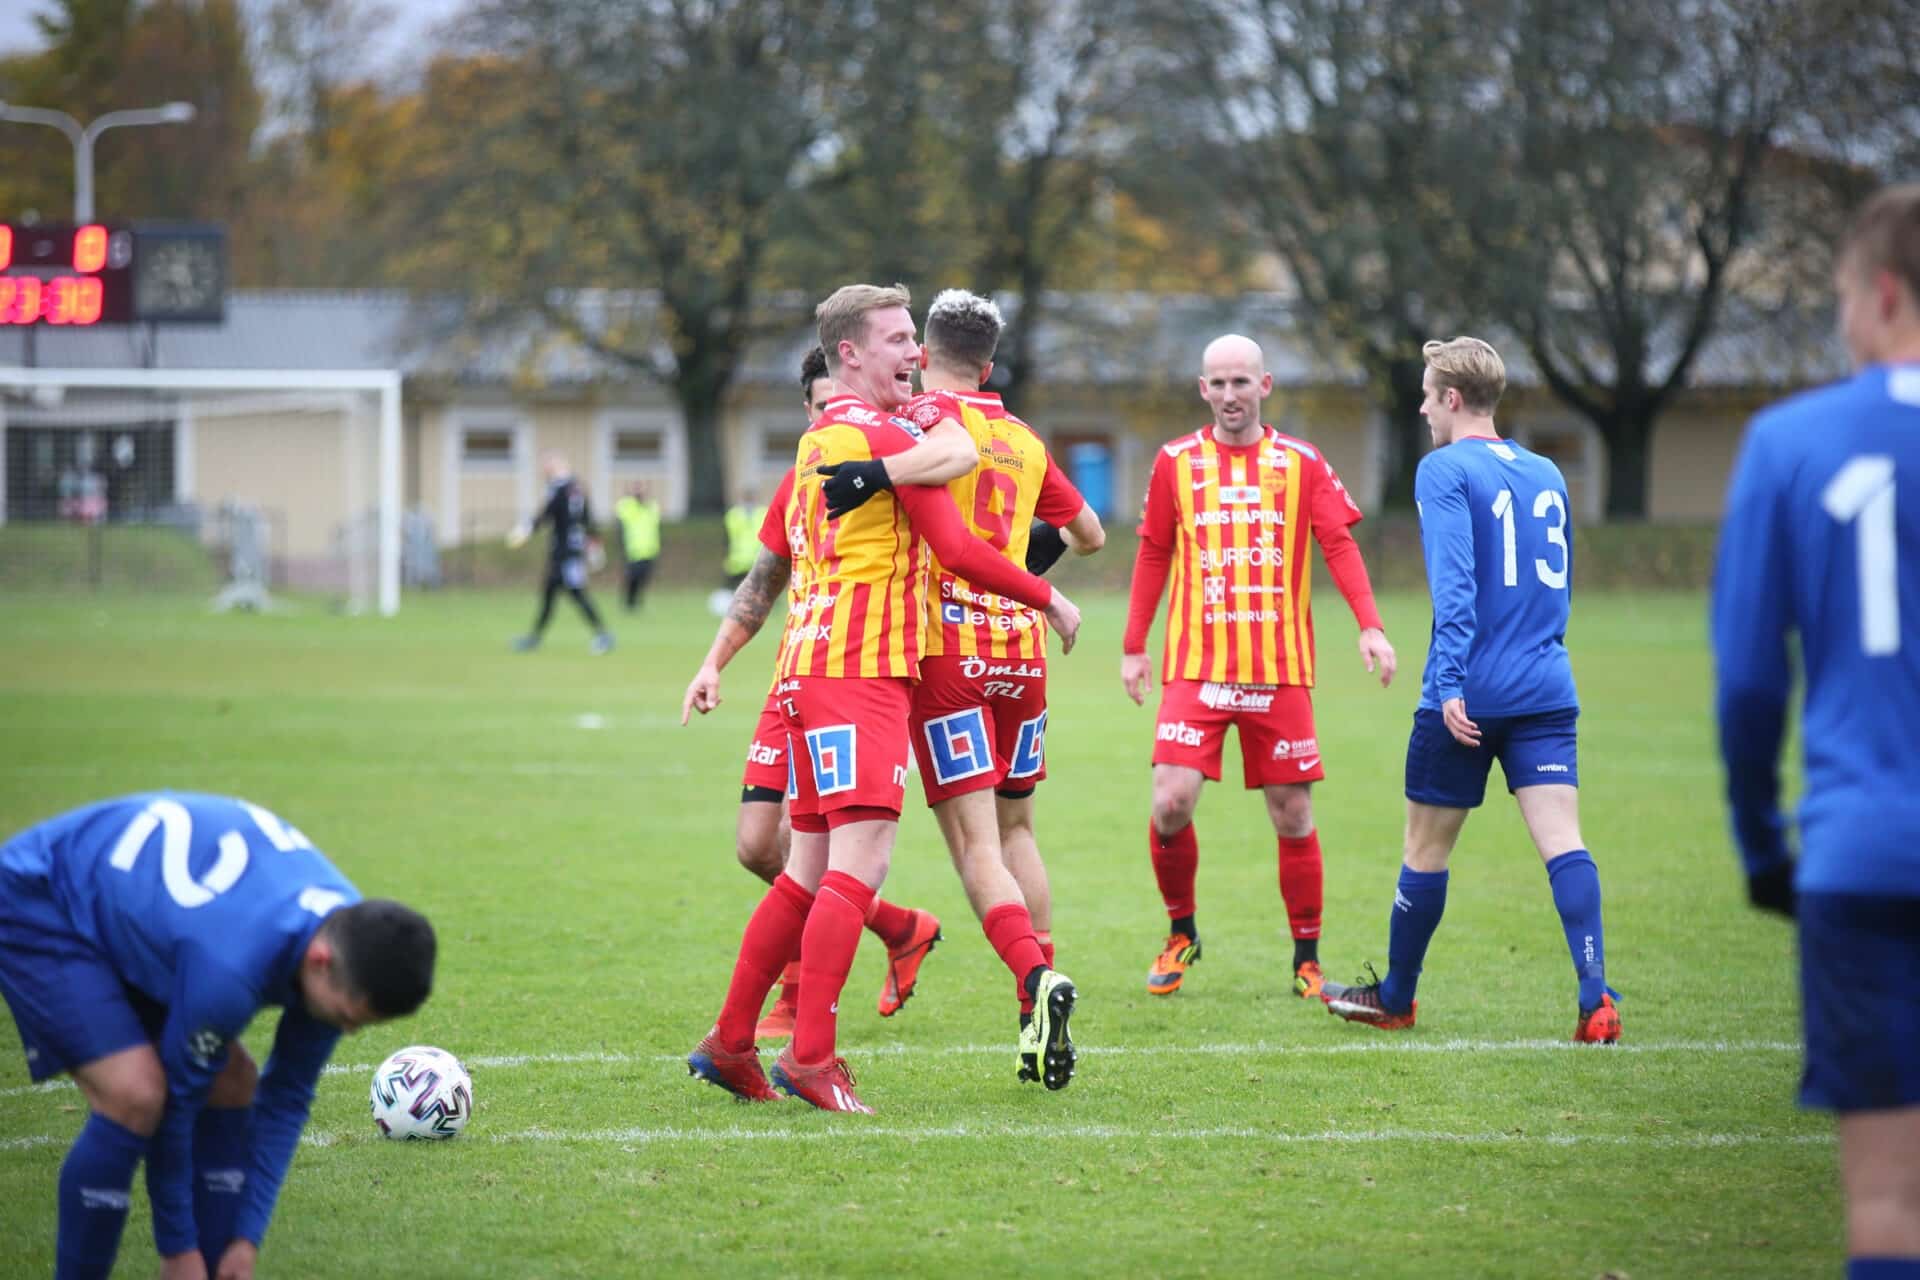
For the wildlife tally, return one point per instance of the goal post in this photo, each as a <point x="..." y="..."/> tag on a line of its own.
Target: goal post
<point x="200" y="393"/>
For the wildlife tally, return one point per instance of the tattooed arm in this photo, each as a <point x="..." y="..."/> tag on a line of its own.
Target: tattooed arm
<point x="752" y="602"/>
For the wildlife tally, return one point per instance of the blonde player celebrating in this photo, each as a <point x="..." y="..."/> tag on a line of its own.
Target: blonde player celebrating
<point x="853" y="649"/>
<point x="761" y="834"/>
<point x="1227" y="512"/>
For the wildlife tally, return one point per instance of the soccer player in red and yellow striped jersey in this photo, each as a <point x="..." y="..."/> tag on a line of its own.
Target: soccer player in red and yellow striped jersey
<point x="980" y="708"/>
<point x="1227" y="512"/>
<point x="761" y="831"/>
<point x="852" y="651"/>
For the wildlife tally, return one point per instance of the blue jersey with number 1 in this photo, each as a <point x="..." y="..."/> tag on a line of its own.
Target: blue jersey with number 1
<point x="206" y="905"/>
<point x="1499" y="552"/>
<point x="1822" y="539"/>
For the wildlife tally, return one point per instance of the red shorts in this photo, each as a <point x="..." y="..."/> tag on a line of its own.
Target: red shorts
<point x="1277" y="742"/>
<point x="767" y="753"/>
<point x="979" y="723"/>
<point x="849" y="743"/>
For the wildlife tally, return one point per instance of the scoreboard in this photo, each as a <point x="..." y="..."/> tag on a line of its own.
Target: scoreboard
<point x="111" y="274"/>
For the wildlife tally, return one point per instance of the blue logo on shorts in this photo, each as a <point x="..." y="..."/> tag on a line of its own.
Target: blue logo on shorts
<point x="958" y="746"/>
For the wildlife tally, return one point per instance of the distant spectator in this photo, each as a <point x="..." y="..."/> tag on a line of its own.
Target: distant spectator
<point x="743" y="535"/>
<point x="638" y="516"/>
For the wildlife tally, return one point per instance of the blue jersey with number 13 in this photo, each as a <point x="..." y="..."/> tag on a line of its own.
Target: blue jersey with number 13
<point x="1499" y="552"/>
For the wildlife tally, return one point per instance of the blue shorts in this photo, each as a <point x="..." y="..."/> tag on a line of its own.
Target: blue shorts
<point x="67" y="1001"/>
<point x="1861" y="1010"/>
<point x="1532" y="751"/>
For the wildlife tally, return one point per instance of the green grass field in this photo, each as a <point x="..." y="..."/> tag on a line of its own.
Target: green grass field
<point x="573" y="845"/>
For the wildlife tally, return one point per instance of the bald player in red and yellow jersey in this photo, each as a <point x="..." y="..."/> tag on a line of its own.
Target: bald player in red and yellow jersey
<point x="852" y="650"/>
<point x="1228" y="512"/>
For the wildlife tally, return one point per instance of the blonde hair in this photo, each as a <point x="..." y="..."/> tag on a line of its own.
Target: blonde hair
<point x="1471" y="367"/>
<point x="843" y="316"/>
<point x="1885" y="236"/>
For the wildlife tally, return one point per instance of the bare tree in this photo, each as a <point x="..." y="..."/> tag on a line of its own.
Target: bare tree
<point x="641" y="150"/>
<point x="1348" y="132"/>
<point x="1641" y="131"/>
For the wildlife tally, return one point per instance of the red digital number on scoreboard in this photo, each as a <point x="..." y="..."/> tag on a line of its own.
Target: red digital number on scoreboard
<point x="54" y="276"/>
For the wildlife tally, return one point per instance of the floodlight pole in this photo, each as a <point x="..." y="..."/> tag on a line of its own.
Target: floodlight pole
<point x="83" y="137"/>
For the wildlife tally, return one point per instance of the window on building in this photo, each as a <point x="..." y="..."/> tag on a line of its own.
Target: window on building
<point x="780" y="447"/>
<point x="485" y="446"/>
<point x="1566" y="447"/>
<point x="639" y="446"/>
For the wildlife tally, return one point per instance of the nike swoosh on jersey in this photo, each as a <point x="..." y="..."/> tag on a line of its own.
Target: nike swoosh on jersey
<point x="1308" y="764"/>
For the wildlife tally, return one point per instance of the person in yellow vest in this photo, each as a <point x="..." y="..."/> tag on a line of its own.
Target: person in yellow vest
<point x="638" y="515"/>
<point x="743" y="536"/>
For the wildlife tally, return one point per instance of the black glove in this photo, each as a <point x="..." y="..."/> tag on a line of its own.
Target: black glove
<point x="1045" y="545"/>
<point x="850" y="484"/>
<point x="1772" y="889"/>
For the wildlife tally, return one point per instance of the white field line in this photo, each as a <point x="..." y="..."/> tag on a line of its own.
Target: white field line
<point x="1258" y="1049"/>
<point x="859" y="1132"/>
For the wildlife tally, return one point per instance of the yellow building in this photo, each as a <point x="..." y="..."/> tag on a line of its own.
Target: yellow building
<point x="1112" y="379"/>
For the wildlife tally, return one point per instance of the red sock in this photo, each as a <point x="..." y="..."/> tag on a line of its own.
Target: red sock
<point x="826" y="953"/>
<point x="892" y="925"/>
<point x="1302" y="876"/>
<point x="1010" y="929"/>
<point x="790" y="984"/>
<point x="1046" y="946"/>
<point x="1175" y="859"/>
<point x="765" y="949"/>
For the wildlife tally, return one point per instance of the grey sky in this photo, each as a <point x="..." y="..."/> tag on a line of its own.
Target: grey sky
<point x="416" y="17"/>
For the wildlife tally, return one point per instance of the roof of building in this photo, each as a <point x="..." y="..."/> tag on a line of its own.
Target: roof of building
<point x="1085" y="338"/>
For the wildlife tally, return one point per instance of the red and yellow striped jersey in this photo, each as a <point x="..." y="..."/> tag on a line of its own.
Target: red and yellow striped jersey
<point x="1236" y="518"/>
<point x="1016" y="480"/>
<point x="859" y="604"/>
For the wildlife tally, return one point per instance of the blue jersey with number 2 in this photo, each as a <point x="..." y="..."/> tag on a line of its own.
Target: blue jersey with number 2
<point x="1499" y="552"/>
<point x="206" y="905"/>
<point x="1821" y="540"/>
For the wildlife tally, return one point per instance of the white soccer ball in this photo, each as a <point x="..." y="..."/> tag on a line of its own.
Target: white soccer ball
<point x="421" y="1093"/>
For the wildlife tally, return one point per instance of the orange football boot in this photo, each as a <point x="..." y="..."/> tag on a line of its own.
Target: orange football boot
<point x="1170" y="967"/>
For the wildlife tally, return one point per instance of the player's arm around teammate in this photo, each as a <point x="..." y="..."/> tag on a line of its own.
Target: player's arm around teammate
<point x="852" y="653"/>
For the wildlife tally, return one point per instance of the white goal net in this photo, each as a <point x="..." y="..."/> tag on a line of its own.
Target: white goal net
<point x="284" y="480"/>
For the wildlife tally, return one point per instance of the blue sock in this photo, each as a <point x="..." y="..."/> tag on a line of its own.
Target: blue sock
<point x="220" y="1148"/>
<point x="1883" y="1269"/>
<point x="96" y="1183"/>
<point x="1418" y="903"/>
<point x="1576" y="896"/>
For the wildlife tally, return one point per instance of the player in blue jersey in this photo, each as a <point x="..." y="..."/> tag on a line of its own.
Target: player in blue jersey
<point x="138" y="938"/>
<point x="1822" y="540"/>
<point x="1499" y="552"/>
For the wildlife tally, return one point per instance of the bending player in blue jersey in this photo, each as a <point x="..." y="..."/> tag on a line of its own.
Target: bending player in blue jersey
<point x="1821" y="540"/>
<point x="138" y="938"/>
<point x="1499" y="551"/>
